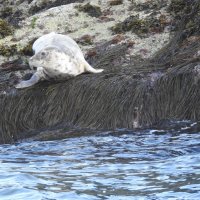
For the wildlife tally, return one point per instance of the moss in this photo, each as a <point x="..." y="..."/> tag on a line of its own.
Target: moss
<point x="7" y="51"/>
<point x="5" y="29"/>
<point x="93" y="11"/>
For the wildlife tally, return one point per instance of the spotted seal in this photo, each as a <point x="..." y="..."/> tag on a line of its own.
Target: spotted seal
<point x="56" y="56"/>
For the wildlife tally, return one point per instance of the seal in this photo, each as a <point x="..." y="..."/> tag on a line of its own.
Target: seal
<point x="57" y="57"/>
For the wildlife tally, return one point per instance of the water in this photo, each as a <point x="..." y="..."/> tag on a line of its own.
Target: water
<point x="123" y="165"/>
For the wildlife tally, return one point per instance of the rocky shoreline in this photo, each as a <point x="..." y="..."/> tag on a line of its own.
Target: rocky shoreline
<point x="149" y="50"/>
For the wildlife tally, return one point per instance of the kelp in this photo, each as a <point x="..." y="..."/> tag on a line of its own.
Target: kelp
<point x="127" y="94"/>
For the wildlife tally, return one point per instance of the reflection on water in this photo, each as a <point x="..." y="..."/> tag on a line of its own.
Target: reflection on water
<point x="122" y="166"/>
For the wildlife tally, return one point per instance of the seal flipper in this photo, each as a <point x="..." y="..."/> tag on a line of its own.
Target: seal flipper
<point x="90" y="69"/>
<point x="34" y="79"/>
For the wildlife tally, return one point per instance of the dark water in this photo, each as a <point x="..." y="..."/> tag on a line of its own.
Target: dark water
<point x="124" y="165"/>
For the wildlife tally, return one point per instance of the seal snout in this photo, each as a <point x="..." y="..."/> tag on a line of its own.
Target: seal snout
<point x="30" y="60"/>
<point x="31" y="64"/>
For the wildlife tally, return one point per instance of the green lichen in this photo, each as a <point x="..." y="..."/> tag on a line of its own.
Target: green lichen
<point x="33" y="22"/>
<point x="93" y="11"/>
<point x="8" y="51"/>
<point x="5" y="29"/>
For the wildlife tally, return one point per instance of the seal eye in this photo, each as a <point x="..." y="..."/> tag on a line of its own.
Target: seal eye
<point x="43" y="53"/>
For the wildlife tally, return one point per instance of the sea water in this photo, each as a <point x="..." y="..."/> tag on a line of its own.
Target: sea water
<point x="119" y="165"/>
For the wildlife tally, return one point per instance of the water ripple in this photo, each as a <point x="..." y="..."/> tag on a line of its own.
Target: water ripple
<point x="141" y="165"/>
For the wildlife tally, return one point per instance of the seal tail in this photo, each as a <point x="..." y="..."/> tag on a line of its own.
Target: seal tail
<point x="90" y="69"/>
